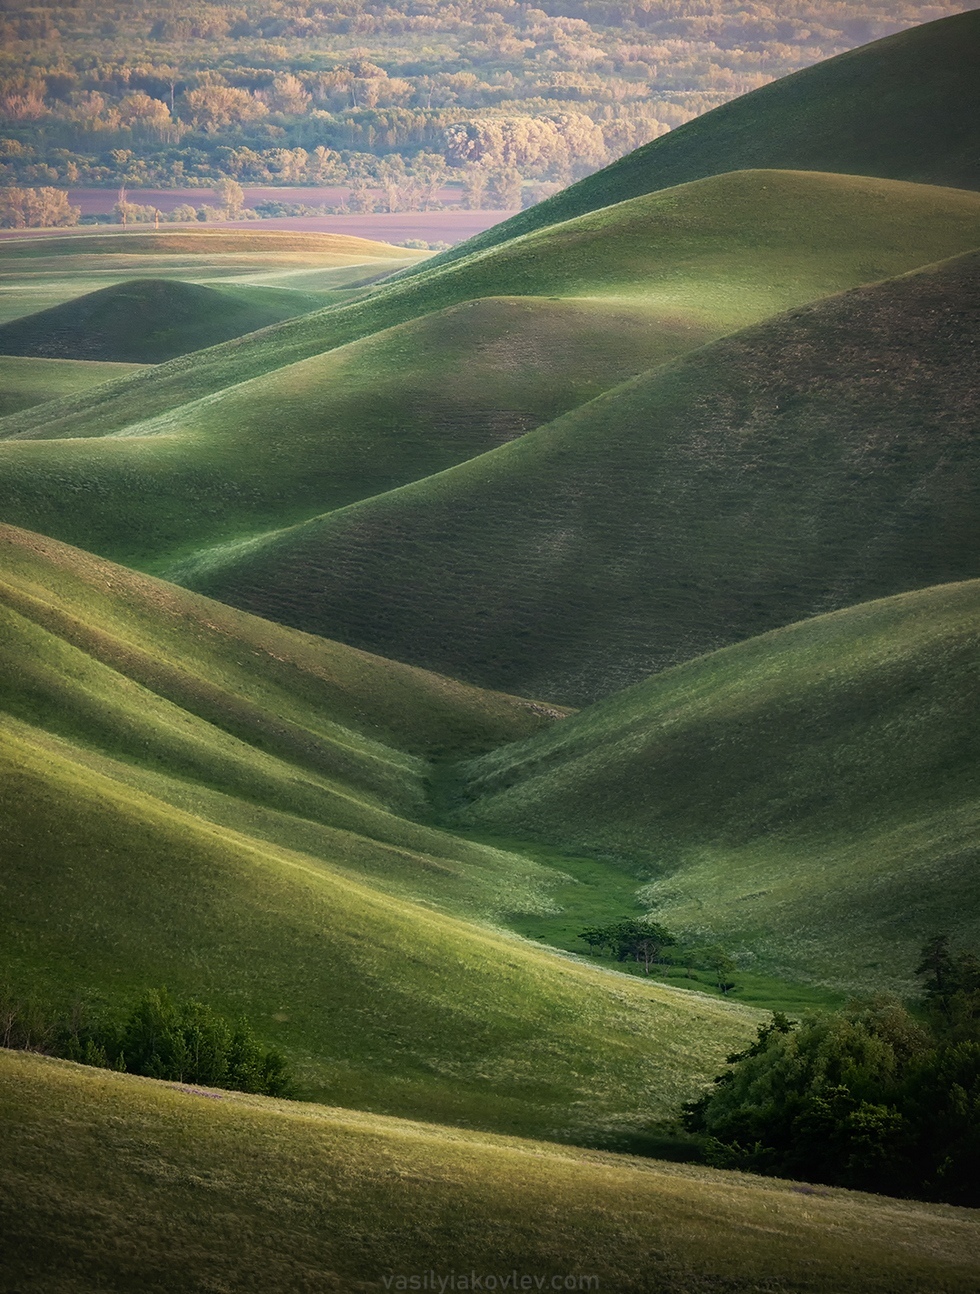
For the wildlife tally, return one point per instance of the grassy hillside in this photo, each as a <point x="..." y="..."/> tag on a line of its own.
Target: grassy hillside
<point x="26" y="382"/>
<point x="39" y="272"/>
<point x="903" y="108"/>
<point x="115" y="1182"/>
<point x="197" y="799"/>
<point x="723" y="252"/>
<point x="146" y="321"/>
<point x="818" y="460"/>
<point x="322" y="433"/>
<point x="809" y="795"/>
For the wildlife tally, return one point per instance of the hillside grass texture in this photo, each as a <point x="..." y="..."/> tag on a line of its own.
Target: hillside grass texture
<point x="903" y="108"/>
<point x="807" y="799"/>
<point x="190" y="797"/>
<point x="823" y="458"/>
<point x="720" y="253"/>
<point x="26" y="382"/>
<point x="111" y="1181"/>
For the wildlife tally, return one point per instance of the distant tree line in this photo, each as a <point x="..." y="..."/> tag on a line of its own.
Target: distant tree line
<point x="183" y="1041"/>
<point x="874" y="1097"/>
<point x="646" y="942"/>
<point x="315" y="92"/>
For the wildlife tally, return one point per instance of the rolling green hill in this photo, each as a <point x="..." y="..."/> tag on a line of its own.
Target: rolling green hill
<point x="194" y="798"/>
<point x="26" y="382"/>
<point x="820" y="459"/>
<point x="114" y="1182"/>
<point x="146" y="321"/>
<point x="321" y="433"/>
<point x="722" y="252"/>
<point x="809" y="795"/>
<point x="903" y="108"/>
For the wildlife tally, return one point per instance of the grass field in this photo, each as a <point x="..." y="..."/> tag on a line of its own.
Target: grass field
<point x="26" y="382"/>
<point x="721" y="253"/>
<point x="903" y="108"/>
<point x="807" y="797"/>
<point x="194" y="798"/>
<point x="114" y="1182"/>
<point x="818" y="460"/>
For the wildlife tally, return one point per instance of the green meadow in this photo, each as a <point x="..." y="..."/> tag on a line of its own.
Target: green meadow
<point x="372" y="624"/>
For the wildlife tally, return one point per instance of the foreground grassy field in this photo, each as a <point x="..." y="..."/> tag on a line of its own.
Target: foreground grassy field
<point x="820" y="459"/>
<point x="806" y="798"/>
<point x="114" y="1182"/>
<point x="194" y="798"/>
<point x="720" y="253"/>
<point x="904" y="108"/>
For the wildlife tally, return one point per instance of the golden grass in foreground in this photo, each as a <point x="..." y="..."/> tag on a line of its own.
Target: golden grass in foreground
<point x="112" y="1182"/>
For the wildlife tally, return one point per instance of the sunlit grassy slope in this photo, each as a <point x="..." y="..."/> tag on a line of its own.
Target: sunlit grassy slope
<point x="145" y="321"/>
<point x="114" y="1182"/>
<point x="904" y="108"/>
<point x="193" y="798"/>
<point x="817" y="460"/>
<point x="810" y="795"/>
<point x="26" y="382"/>
<point x="724" y="252"/>
<point x="39" y="272"/>
<point x="324" y="432"/>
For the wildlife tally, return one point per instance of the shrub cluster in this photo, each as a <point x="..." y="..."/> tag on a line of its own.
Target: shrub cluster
<point x="185" y="1042"/>
<point x="872" y="1098"/>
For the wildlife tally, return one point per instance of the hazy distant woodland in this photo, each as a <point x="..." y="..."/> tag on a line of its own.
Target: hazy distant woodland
<point x="507" y="101"/>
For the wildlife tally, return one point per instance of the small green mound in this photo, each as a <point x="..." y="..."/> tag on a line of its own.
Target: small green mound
<point x="147" y="321"/>
<point x="808" y="797"/>
<point x="903" y="108"/>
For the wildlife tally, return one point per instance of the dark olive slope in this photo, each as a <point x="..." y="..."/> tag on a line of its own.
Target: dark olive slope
<point x="147" y="321"/>
<point x="817" y="460"/>
<point x="903" y="108"/>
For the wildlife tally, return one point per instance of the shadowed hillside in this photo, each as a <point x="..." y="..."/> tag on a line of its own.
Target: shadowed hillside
<point x="128" y="1174"/>
<point x="903" y="108"/>
<point x="322" y="433"/>
<point x="809" y="796"/>
<point x="146" y="321"/>
<point x="724" y="252"/>
<point x="194" y="798"/>
<point x="820" y="459"/>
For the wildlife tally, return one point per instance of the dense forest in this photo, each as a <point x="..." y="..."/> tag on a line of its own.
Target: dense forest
<point x="506" y="100"/>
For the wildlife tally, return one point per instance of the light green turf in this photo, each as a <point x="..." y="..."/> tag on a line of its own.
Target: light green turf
<point x="25" y="382"/>
<point x="823" y="458"/>
<point x="906" y="108"/>
<point x="194" y="798"/>
<point x="724" y="251"/>
<point x="808" y="797"/>
<point x="335" y="428"/>
<point x="114" y="1182"/>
